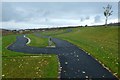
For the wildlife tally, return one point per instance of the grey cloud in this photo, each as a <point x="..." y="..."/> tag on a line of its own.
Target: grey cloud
<point x="19" y="14"/>
<point x="87" y="17"/>
<point x="43" y="13"/>
<point x="6" y="13"/>
<point x="84" y="18"/>
<point x="0" y="12"/>
<point x="9" y="13"/>
<point x="81" y="19"/>
<point x="97" y="19"/>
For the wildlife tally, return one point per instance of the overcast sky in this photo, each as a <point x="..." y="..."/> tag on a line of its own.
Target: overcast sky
<point x="22" y="15"/>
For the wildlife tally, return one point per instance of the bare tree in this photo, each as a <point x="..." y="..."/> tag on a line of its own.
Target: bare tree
<point x="107" y="12"/>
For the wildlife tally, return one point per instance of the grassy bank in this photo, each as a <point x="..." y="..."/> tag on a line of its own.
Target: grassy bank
<point x="42" y="66"/>
<point x="0" y="44"/>
<point x="100" y="42"/>
<point x="21" y="65"/>
<point x="37" y="41"/>
<point x="6" y="41"/>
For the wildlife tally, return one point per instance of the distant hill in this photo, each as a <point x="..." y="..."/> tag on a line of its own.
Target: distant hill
<point x="114" y="24"/>
<point x="23" y="31"/>
<point x="5" y="31"/>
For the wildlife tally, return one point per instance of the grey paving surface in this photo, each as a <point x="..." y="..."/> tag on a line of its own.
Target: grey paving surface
<point x="75" y="63"/>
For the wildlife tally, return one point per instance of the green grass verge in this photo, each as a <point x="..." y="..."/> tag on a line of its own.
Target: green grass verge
<point x="21" y="65"/>
<point x="37" y="41"/>
<point x="100" y="42"/>
<point x="0" y="44"/>
<point x="44" y="66"/>
<point x="54" y="32"/>
<point x="6" y="41"/>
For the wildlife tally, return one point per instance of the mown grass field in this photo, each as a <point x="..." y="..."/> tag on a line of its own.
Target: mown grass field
<point x="42" y="66"/>
<point x="21" y="65"/>
<point x="6" y="41"/>
<point x="0" y="43"/>
<point x="100" y="42"/>
<point x="0" y="53"/>
<point x="37" y="41"/>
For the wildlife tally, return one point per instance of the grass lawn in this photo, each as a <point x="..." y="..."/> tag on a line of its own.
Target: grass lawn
<point x="55" y="32"/>
<point x="0" y="44"/>
<point x="6" y="41"/>
<point x="100" y="42"/>
<point x="37" y="41"/>
<point x="0" y="54"/>
<point x="42" y="66"/>
<point x="20" y="65"/>
<point x="52" y="32"/>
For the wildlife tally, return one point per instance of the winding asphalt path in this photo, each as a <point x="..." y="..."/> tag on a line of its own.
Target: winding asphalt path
<point x="74" y="62"/>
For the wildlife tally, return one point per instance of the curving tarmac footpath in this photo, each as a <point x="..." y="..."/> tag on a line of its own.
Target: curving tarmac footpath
<point x="74" y="62"/>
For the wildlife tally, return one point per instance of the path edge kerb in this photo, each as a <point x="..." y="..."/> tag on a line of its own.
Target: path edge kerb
<point x="93" y="58"/>
<point x="28" y="42"/>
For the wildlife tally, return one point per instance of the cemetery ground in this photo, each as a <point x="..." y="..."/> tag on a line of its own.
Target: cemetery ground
<point x="100" y="42"/>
